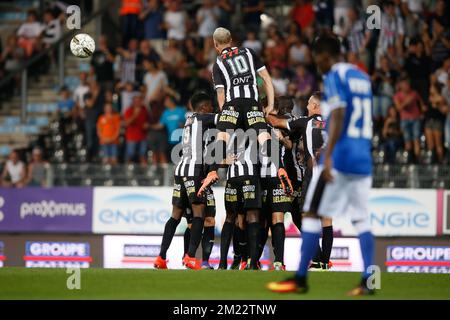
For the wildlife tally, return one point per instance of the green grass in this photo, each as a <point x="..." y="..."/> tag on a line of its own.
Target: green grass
<point x="22" y="283"/>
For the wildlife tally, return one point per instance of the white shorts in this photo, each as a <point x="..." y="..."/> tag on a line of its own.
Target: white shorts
<point x="346" y="195"/>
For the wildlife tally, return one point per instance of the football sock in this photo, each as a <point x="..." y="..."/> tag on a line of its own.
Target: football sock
<point x="207" y="242"/>
<point x="264" y="234"/>
<point x="366" y="242"/>
<point x="236" y="240"/>
<point x="278" y="235"/>
<point x="243" y="244"/>
<point x="225" y="239"/>
<point x="187" y="239"/>
<point x="254" y="233"/>
<point x="169" y="231"/>
<point x="196" y="235"/>
<point x="318" y="255"/>
<point x="310" y="240"/>
<point x="327" y="243"/>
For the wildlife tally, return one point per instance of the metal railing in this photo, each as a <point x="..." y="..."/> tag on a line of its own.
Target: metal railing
<point x="384" y="176"/>
<point x="60" y="47"/>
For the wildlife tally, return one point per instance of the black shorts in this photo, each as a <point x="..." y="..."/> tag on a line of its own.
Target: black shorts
<point x="274" y="198"/>
<point x="185" y="195"/>
<point x="243" y="193"/>
<point x="241" y="113"/>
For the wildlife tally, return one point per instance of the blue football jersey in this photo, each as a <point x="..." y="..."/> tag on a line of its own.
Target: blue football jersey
<point x="347" y="87"/>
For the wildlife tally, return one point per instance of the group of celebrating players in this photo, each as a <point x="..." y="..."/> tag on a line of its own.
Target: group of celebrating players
<point x="271" y="157"/>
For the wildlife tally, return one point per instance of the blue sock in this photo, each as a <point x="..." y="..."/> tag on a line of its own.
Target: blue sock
<point x="309" y="248"/>
<point x="366" y="242"/>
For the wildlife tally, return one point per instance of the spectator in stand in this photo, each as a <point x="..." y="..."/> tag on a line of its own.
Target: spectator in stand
<point x="443" y="73"/>
<point x="66" y="103"/>
<point x="29" y="33"/>
<point x="435" y="120"/>
<point x="305" y="82"/>
<point x="129" y="13"/>
<point x="392" y="31"/>
<point x="253" y="42"/>
<point x="108" y="131"/>
<point x="127" y="92"/>
<point x="102" y="63"/>
<point x="299" y="53"/>
<point x="252" y="10"/>
<point x="417" y="66"/>
<point x="155" y="82"/>
<point x="80" y="91"/>
<point x="136" y="123"/>
<point x="303" y="14"/>
<point x="12" y="58"/>
<point x="152" y="17"/>
<point x="409" y="105"/>
<point x="441" y="11"/>
<point x="173" y="57"/>
<point x="37" y="170"/>
<point x="413" y="23"/>
<point x="158" y="143"/>
<point x="280" y="83"/>
<point x="226" y="9"/>
<point x="94" y="102"/>
<point x="172" y="118"/>
<point x="440" y="43"/>
<point x="276" y="50"/>
<point x="146" y="52"/>
<point x="128" y="61"/>
<point x="353" y="58"/>
<point x="207" y="17"/>
<point x="392" y="135"/>
<point x="14" y="172"/>
<point x="383" y="80"/>
<point x="175" y="21"/>
<point x="52" y="32"/>
<point x="446" y="95"/>
<point x="357" y="35"/>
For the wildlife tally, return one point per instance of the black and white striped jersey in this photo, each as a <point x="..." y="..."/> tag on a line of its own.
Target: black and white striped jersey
<point x="195" y="139"/>
<point x="245" y="151"/>
<point x="235" y="70"/>
<point x="269" y="164"/>
<point x="307" y="136"/>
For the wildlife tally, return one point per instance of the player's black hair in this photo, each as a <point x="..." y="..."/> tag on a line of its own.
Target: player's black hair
<point x="328" y="43"/>
<point x="284" y="104"/>
<point x="318" y="95"/>
<point x="198" y="99"/>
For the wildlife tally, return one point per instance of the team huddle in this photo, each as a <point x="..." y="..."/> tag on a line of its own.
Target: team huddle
<point x="315" y="167"/>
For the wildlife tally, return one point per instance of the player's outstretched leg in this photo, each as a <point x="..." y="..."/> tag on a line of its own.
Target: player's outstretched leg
<point x="254" y="234"/>
<point x="310" y="235"/>
<point x="207" y="241"/>
<point x="225" y="239"/>
<point x="278" y="239"/>
<point x="237" y="240"/>
<point x="169" y="232"/>
<point x="367" y="244"/>
<point x="196" y="235"/>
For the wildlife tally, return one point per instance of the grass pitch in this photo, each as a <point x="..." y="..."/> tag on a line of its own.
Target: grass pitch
<point x="22" y="283"/>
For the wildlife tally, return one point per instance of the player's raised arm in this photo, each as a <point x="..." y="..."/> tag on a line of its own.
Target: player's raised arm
<point x="268" y="88"/>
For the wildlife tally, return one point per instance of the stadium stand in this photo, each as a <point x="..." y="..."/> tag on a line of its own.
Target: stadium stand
<point x="176" y="62"/>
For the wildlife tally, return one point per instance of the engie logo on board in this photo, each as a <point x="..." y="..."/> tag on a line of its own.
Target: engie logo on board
<point x="132" y="210"/>
<point x="419" y="259"/>
<point x="397" y="212"/>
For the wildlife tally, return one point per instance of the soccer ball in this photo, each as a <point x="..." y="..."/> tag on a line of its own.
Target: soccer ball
<point x="82" y="45"/>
